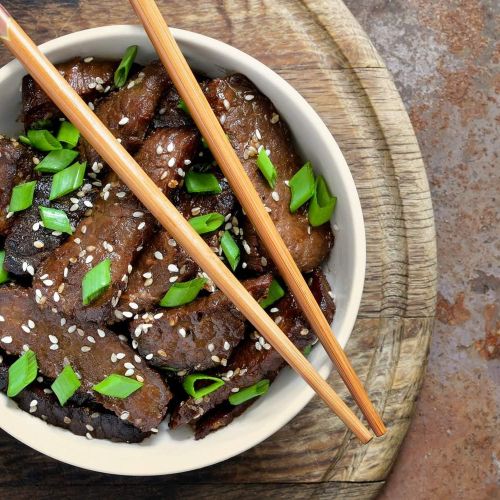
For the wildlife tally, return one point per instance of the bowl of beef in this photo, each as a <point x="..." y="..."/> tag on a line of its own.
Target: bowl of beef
<point x="207" y="386"/>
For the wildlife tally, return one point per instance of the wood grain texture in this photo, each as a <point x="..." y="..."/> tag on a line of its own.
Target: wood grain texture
<point x="321" y="50"/>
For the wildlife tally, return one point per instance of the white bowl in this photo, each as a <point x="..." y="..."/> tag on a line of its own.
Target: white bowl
<point x="176" y="451"/>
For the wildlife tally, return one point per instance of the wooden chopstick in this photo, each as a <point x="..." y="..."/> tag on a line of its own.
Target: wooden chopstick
<point x="208" y="124"/>
<point x="75" y="109"/>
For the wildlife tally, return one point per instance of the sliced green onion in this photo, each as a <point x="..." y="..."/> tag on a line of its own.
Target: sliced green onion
<point x="267" y="168"/>
<point x="302" y="186"/>
<point x="190" y="381"/>
<point x="96" y="281"/>
<point x="67" y="180"/>
<point x="68" y="134"/>
<point x="322" y="205"/>
<point x="183" y="293"/>
<point x="4" y="275"/>
<point x="117" y="386"/>
<point x="197" y="182"/>
<point x="231" y="249"/>
<point x="307" y="350"/>
<point x="56" y="161"/>
<point x="24" y="140"/>
<point x="65" y="385"/>
<point x="21" y="373"/>
<point x="55" y="219"/>
<point x="244" y="395"/>
<point x="182" y="105"/>
<point x="43" y="140"/>
<point x="207" y="223"/>
<point x="275" y="293"/>
<point x="22" y="196"/>
<point x="121" y="73"/>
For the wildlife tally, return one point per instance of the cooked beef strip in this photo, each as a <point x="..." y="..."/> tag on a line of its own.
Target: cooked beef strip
<point x="82" y="76"/>
<point x="91" y="421"/>
<point x="150" y="279"/>
<point x="198" y="335"/>
<point x="16" y="166"/>
<point x="168" y="114"/>
<point x="251" y="121"/>
<point x="255" y="359"/>
<point x="22" y="257"/>
<point x="117" y="229"/>
<point x="93" y="352"/>
<point x="136" y="103"/>
<point x="219" y="417"/>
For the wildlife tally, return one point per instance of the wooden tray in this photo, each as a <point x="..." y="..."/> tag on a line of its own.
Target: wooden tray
<point x="321" y="50"/>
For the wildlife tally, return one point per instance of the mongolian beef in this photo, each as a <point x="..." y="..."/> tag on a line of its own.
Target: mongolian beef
<point x="106" y="324"/>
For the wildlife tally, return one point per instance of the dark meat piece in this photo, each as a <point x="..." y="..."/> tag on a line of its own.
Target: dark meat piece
<point x="16" y="166"/>
<point x="218" y="418"/>
<point x="134" y="105"/>
<point x="251" y="121"/>
<point x="92" y="421"/>
<point x="22" y="256"/>
<point x="198" y="335"/>
<point x="117" y="229"/>
<point x="93" y="352"/>
<point x="255" y="359"/>
<point x="163" y="258"/>
<point x="88" y="79"/>
<point x="169" y="114"/>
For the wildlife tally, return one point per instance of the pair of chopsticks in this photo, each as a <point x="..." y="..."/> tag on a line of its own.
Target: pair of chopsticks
<point x="155" y="201"/>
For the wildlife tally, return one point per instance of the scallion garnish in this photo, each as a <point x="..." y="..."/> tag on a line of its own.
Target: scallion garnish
<point x="197" y="182"/>
<point x="24" y="140"/>
<point x="21" y="373"/>
<point x="207" y="223"/>
<point x="183" y="293"/>
<point x="189" y="385"/>
<point x="96" y="281"/>
<point x="67" y="180"/>
<point x="4" y="275"/>
<point x="182" y="105"/>
<point x="68" y="134"/>
<point x="22" y="196"/>
<point x="117" y="386"/>
<point x="121" y="73"/>
<point x="244" y="395"/>
<point x="267" y="168"/>
<point x="56" y="161"/>
<point x="43" y="140"/>
<point x="302" y="186"/>
<point x="55" y="219"/>
<point x="322" y="204"/>
<point x="275" y="293"/>
<point x="65" y="385"/>
<point x="231" y="249"/>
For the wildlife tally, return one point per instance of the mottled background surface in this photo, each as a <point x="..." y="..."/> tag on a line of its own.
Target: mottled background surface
<point x="444" y="56"/>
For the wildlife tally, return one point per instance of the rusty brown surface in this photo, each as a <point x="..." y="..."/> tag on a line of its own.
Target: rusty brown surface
<point x="445" y="59"/>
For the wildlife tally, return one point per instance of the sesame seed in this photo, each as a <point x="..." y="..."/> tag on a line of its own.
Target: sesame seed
<point x="222" y="119"/>
<point x="172" y="242"/>
<point x="36" y="226"/>
<point x="123" y="121"/>
<point x="275" y="196"/>
<point x="2" y="319"/>
<point x="138" y="214"/>
<point x="159" y="150"/>
<point x="127" y="314"/>
<point x="120" y="355"/>
<point x="215" y="359"/>
<point x="91" y="106"/>
<point x="182" y="332"/>
<point x="210" y="347"/>
<point x="141" y="379"/>
<point x="170" y="147"/>
<point x="187" y="162"/>
<point x="195" y="210"/>
<point x="258" y="134"/>
<point x="173" y="268"/>
<point x="114" y="359"/>
<point x="149" y="356"/>
<point x="53" y="339"/>
<point x="258" y="346"/>
<point x="89" y="259"/>
<point x="88" y="436"/>
<point x="85" y="348"/>
<point x="158" y="255"/>
<point x="141" y="226"/>
<point x="171" y="162"/>
<point x="74" y="207"/>
<point x="137" y="358"/>
<point x="129" y="365"/>
<point x="25" y="329"/>
<point x="147" y="275"/>
<point x="6" y="340"/>
<point x="173" y="279"/>
<point x="125" y="415"/>
<point x="148" y="282"/>
<point x="304" y="331"/>
<point x="129" y="372"/>
<point x="249" y="97"/>
<point x="88" y="203"/>
<point x="226" y="103"/>
<point x="263" y="261"/>
<point x="31" y="323"/>
<point x="88" y="59"/>
<point x="246" y="247"/>
<point x="133" y="305"/>
<point x="38" y="244"/>
<point x="227" y="346"/>
<point x="91" y="339"/>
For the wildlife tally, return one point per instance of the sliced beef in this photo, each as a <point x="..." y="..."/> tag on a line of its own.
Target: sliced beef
<point x="198" y="335"/>
<point x="16" y="166"/>
<point x="128" y="112"/>
<point x="90" y="80"/>
<point x="251" y="122"/>
<point x="255" y="359"/>
<point x="219" y="417"/>
<point x="117" y="229"/>
<point x="93" y="352"/>
<point x="168" y="113"/>
<point x="91" y="421"/>
<point x="163" y="259"/>
<point x="22" y="246"/>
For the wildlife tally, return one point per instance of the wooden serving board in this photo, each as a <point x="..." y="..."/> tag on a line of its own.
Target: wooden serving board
<point x="321" y="50"/>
